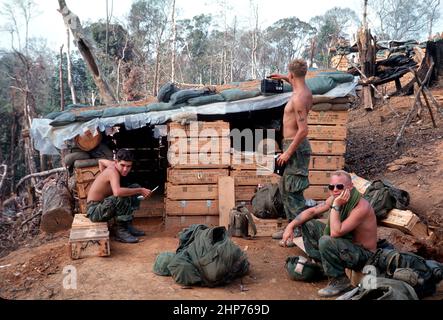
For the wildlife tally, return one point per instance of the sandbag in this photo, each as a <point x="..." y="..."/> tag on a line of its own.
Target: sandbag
<point x="161" y="263"/>
<point x="123" y="111"/>
<point x="339" y="77"/>
<point x="161" y="106"/>
<point x="237" y="94"/>
<point x="86" y="163"/>
<point x="53" y="115"/>
<point x="340" y="107"/>
<point x="183" y="96"/>
<point x="63" y="119"/>
<point x="88" y="115"/>
<point x="102" y="152"/>
<point x="70" y="158"/>
<point x="321" y="85"/>
<point x="166" y="91"/>
<point x="199" y="101"/>
<point x="321" y="107"/>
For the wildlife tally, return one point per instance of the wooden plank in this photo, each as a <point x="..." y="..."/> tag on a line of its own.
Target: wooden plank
<point x="328" y="147"/>
<point x="266" y="227"/>
<point x="244" y="193"/>
<point x="251" y="178"/>
<point x="180" y="222"/>
<point x="317" y="193"/>
<point x="192" y="192"/>
<point x="86" y="174"/>
<point x="88" y="234"/>
<point x="406" y="221"/>
<point x="90" y="248"/>
<point x="327" y="133"/>
<point x="195" y="176"/>
<point x="199" y="129"/>
<point x="191" y="207"/>
<point x="226" y="196"/>
<point x="328" y="118"/>
<point x="82" y="222"/>
<point x="197" y="145"/>
<point x="327" y="163"/>
<point x="199" y="160"/>
<point x="359" y="183"/>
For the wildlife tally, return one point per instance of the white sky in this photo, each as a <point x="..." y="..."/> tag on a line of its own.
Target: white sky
<point x="49" y="23"/>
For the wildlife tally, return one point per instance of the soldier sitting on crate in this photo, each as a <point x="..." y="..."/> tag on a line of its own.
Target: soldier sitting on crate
<point x="349" y="238"/>
<point x="107" y="199"/>
<point x="296" y="146"/>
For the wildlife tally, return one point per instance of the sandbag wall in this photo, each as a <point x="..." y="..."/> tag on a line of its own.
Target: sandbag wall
<point x="198" y="154"/>
<point x="327" y="135"/>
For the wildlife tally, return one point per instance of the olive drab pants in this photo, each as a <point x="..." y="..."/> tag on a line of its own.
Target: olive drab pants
<point x="335" y="254"/>
<point x="295" y="179"/>
<point x="120" y="208"/>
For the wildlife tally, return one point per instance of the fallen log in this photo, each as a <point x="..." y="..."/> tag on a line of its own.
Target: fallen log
<point x="57" y="213"/>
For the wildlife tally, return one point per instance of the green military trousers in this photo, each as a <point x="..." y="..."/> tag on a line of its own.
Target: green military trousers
<point x="335" y="254"/>
<point x="120" y="208"/>
<point x="295" y="179"/>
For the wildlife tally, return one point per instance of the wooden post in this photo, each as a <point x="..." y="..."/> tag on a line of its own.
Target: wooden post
<point x="60" y="76"/>
<point x="226" y="199"/>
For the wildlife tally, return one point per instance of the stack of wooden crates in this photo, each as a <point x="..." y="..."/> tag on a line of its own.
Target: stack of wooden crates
<point x="327" y="135"/>
<point x="84" y="177"/>
<point x="199" y="153"/>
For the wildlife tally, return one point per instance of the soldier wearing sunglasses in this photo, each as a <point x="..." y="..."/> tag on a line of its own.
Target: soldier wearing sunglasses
<point x="349" y="238"/>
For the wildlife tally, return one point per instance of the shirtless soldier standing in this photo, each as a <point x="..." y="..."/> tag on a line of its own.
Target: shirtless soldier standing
<point x="296" y="147"/>
<point x="107" y="199"/>
<point x="349" y="238"/>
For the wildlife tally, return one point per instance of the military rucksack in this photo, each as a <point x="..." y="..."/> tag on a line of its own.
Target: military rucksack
<point x="384" y="197"/>
<point x="267" y="203"/>
<point x="300" y="268"/>
<point x="239" y="221"/>
<point x="161" y="263"/>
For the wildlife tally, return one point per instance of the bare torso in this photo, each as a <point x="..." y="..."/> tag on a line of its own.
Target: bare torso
<point x="290" y="127"/>
<point x="365" y="234"/>
<point x="101" y="187"/>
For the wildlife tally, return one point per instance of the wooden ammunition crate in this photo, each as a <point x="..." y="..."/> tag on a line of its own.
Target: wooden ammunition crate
<point x="328" y="147"/>
<point x="407" y="222"/>
<point x="244" y="193"/>
<point x="199" y="160"/>
<point x="151" y="207"/>
<point x="199" y="129"/>
<point x="321" y="132"/>
<point x="251" y="178"/>
<point x="88" y="238"/>
<point x="317" y="193"/>
<point x="195" y="176"/>
<point x="200" y="145"/>
<point x="84" y="179"/>
<point x="327" y="163"/>
<point x="328" y="118"/>
<point x="191" y="207"/>
<point x="266" y="227"/>
<point x="192" y="192"/>
<point x="180" y="222"/>
<point x="82" y="205"/>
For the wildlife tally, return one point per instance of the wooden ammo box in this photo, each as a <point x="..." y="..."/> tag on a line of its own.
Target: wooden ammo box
<point x="84" y="179"/>
<point x="88" y="238"/>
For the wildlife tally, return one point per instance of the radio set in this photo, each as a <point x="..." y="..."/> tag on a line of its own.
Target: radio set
<point x="271" y="86"/>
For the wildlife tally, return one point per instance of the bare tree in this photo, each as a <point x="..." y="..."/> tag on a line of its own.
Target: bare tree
<point x="69" y="63"/>
<point x="173" y="42"/>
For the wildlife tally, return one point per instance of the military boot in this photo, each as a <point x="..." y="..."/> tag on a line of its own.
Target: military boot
<point x="122" y="233"/>
<point x="135" y="232"/>
<point x="335" y="287"/>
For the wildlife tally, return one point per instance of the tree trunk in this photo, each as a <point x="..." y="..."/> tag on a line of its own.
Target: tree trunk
<point x="60" y="76"/>
<point x="174" y="40"/>
<point x="87" y="51"/>
<point x="68" y="56"/>
<point x="367" y="49"/>
<point x="57" y="206"/>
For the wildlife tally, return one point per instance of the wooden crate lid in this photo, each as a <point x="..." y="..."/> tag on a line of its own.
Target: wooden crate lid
<point x="78" y="235"/>
<point x="82" y="222"/>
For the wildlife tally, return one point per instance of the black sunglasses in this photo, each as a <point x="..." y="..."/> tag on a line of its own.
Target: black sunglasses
<point x="331" y="187"/>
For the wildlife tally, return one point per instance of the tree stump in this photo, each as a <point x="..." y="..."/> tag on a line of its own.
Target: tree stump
<point x="57" y="202"/>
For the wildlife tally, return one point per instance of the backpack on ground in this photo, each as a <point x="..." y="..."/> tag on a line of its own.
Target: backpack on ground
<point x="300" y="268"/>
<point x="267" y="203"/>
<point x="384" y="197"/>
<point x="239" y="221"/>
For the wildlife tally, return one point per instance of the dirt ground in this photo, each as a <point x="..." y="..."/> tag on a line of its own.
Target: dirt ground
<point x="36" y="270"/>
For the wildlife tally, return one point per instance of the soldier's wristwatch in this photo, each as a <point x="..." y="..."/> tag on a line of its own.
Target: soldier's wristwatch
<point x="336" y="208"/>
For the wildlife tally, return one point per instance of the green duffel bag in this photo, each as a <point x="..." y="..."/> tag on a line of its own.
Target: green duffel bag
<point x="160" y="267"/>
<point x="300" y="268"/>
